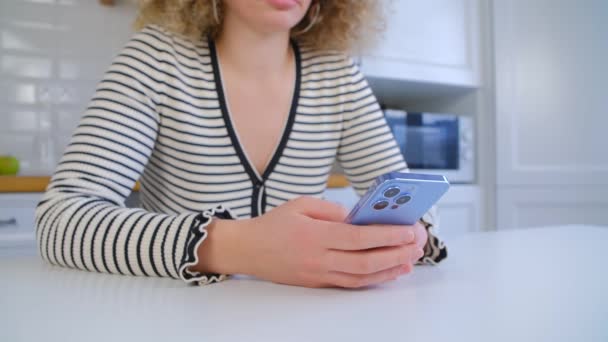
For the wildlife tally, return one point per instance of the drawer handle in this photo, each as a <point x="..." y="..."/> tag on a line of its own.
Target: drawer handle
<point x="11" y="222"/>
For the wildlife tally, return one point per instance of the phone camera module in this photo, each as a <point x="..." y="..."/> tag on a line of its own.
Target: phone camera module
<point x="391" y="192"/>
<point x="403" y="199"/>
<point x="380" y="205"/>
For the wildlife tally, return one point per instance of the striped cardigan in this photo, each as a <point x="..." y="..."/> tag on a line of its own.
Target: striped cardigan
<point x="159" y="115"/>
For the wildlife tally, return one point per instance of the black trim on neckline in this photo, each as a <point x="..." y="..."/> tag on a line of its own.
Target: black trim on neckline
<point x="257" y="183"/>
<point x="219" y="88"/>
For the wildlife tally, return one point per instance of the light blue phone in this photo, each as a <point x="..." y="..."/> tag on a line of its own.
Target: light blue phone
<point x="398" y="198"/>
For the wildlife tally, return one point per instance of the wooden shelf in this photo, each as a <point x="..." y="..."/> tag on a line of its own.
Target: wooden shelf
<point x="23" y="184"/>
<point x="17" y="184"/>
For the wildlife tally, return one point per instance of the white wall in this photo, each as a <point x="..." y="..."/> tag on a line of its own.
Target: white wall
<point x="52" y="54"/>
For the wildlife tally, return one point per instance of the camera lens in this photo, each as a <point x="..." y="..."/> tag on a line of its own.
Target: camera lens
<point x="391" y="192"/>
<point x="403" y="199"/>
<point x="380" y="205"/>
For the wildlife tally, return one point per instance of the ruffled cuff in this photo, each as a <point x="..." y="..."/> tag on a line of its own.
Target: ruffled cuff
<point x="435" y="249"/>
<point x="196" y="236"/>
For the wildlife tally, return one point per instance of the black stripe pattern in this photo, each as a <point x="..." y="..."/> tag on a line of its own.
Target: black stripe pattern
<point x="159" y="116"/>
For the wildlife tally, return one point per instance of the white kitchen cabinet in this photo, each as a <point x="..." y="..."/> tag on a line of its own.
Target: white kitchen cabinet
<point x="536" y="206"/>
<point x="552" y="165"/>
<point x="17" y="210"/>
<point x="17" y="222"/>
<point x="432" y="41"/>
<point x="550" y="92"/>
<point x="459" y="209"/>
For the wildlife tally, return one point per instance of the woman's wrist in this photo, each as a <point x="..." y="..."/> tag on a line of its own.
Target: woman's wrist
<point x="222" y="250"/>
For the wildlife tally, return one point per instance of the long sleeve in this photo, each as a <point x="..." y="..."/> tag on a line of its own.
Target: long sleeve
<point x="368" y="149"/>
<point x="82" y="221"/>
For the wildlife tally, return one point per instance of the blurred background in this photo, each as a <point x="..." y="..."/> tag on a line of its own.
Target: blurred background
<point x="505" y="97"/>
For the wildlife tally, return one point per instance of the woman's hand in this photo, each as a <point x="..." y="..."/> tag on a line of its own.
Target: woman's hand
<point x="305" y="242"/>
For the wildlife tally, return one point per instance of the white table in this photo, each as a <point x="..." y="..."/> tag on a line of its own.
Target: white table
<point x="544" y="284"/>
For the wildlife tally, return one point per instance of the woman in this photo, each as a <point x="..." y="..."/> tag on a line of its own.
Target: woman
<point x="230" y="109"/>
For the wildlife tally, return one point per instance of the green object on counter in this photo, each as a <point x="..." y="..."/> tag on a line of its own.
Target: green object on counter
<point x="9" y="166"/>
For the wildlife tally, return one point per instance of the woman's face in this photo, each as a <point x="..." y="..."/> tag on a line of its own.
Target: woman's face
<point x="267" y="15"/>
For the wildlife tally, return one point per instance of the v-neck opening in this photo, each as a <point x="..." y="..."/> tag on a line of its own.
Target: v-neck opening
<point x="253" y="173"/>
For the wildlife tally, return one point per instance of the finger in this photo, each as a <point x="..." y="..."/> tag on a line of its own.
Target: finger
<point x="348" y="280"/>
<point x="343" y="236"/>
<point x="320" y="209"/>
<point x="421" y="234"/>
<point x="373" y="260"/>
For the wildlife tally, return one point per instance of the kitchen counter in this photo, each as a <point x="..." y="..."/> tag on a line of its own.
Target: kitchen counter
<point x="12" y="184"/>
<point x="543" y="284"/>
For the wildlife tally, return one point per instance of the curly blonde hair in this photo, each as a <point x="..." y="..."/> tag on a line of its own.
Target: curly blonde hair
<point x="344" y="24"/>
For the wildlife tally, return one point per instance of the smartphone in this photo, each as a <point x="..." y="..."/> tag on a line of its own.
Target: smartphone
<point x="398" y="198"/>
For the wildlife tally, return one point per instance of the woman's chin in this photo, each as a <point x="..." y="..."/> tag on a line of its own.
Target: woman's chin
<point x="280" y="23"/>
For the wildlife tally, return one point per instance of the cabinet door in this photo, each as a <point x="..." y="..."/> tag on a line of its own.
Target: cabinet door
<point x="17" y="222"/>
<point x="520" y="207"/>
<point x="552" y="111"/>
<point x="430" y="41"/>
<point x="459" y="211"/>
<point x="552" y="165"/>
